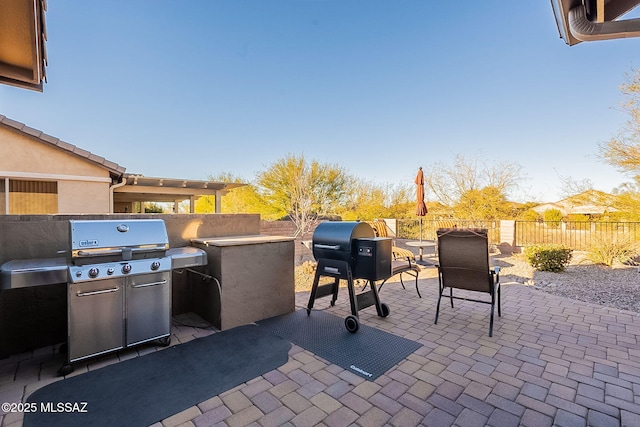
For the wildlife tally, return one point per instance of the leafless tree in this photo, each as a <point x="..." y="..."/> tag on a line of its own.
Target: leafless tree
<point x="623" y="150"/>
<point x="448" y="183"/>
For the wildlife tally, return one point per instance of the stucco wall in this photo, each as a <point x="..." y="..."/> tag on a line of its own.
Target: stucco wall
<point x="22" y="153"/>
<point x="79" y="197"/>
<point x="83" y="187"/>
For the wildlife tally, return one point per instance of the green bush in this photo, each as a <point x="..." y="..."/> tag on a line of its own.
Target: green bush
<point x="153" y="208"/>
<point x="548" y="257"/>
<point x="610" y="249"/>
<point x="552" y="217"/>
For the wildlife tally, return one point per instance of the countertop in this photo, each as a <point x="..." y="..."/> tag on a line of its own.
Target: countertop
<point x="240" y="240"/>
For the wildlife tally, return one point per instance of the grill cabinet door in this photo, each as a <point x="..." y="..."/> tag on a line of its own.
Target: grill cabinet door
<point x="148" y="310"/>
<point x="96" y="320"/>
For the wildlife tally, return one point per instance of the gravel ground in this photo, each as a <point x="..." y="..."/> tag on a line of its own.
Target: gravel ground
<point x="616" y="287"/>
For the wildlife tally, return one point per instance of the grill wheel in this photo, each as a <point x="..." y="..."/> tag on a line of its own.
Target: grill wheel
<point x="352" y="324"/>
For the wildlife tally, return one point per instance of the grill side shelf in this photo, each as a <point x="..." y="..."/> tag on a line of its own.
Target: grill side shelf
<point x="33" y="272"/>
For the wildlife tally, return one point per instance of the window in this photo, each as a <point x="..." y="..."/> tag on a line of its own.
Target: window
<point x="30" y="197"/>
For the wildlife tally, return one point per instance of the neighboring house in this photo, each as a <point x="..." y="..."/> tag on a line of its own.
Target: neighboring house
<point x="590" y="202"/>
<point x="40" y="174"/>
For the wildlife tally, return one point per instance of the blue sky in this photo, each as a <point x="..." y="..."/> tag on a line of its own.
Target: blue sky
<point x="193" y="88"/>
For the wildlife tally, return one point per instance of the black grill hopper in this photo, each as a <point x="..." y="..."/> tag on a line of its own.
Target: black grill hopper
<point x="348" y="250"/>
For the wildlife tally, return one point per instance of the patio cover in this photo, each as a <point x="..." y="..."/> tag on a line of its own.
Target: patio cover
<point x="139" y="188"/>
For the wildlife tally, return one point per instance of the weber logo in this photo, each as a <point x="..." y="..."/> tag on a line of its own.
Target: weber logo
<point x="88" y="243"/>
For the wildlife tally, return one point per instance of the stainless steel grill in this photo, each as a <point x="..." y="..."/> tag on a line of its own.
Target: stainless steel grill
<point x="348" y="251"/>
<point x="119" y="291"/>
<point x="118" y="276"/>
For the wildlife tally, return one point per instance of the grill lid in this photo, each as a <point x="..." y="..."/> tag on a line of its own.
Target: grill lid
<point x="334" y="239"/>
<point x="118" y="239"/>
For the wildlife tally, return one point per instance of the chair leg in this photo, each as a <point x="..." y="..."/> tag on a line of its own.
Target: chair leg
<point x="417" y="290"/>
<point x="382" y="284"/>
<point x="493" y="303"/>
<point x="499" y="304"/>
<point x="401" y="282"/>
<point x="438" y="305"/>
<point x="451" y="296"/>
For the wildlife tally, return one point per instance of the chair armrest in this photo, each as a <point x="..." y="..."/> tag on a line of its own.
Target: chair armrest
<point x="401" y="266"/>
<point x="397" y="252"/>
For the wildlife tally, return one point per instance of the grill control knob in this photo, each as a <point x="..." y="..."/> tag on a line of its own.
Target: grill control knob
<point x="126" y="268"/>
<point x="110" y="271"/>
<point x="155" y="265"/>
<point x="93" y="272"/>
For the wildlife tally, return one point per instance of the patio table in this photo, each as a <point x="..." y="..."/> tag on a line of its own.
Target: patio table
<point x="421" y="245"/>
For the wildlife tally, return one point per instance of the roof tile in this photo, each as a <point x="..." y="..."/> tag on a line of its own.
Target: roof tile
<point x="81" y="152"/>
<point x="50" y="139"/>
<point x="32" y="131"/>
<point x="66" y="146"/>
<point x="14" y="124"/>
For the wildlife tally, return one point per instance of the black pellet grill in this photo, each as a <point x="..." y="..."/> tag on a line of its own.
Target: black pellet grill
<point x="348" y="251"/>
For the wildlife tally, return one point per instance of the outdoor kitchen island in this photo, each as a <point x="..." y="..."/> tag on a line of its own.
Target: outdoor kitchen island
<point x="255" y="279"/>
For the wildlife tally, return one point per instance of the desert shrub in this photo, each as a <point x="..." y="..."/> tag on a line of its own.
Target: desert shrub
<point x="530" y="215"/>
<point x="548" y="257"/>
<point x="609" y="249"/>
<point x="552" y="217"/>
<point x="153" y="208"/>
<point x="309" y="267"/>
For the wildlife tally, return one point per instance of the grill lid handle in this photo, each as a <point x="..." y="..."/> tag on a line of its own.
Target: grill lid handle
<point x="100" y="252"/>
<point x="329" y="247"/>
<point x="118" y="251"/>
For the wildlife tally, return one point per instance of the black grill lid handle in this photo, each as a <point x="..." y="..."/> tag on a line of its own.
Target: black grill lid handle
<point x="329" y="247"/>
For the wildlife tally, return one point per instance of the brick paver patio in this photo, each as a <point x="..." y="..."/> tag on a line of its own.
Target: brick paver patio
<point x="551" y="362"/>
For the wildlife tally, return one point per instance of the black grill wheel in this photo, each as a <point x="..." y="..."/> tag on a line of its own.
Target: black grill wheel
<point x="352" y="324"/>
<point x="384" y="309"/>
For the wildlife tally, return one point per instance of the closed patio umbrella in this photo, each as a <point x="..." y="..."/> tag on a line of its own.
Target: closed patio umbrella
<point x="421" y="209"/>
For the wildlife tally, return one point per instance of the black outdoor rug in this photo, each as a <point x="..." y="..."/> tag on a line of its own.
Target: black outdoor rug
<point x="147" y="389"/>
<point x="369" y="353"/>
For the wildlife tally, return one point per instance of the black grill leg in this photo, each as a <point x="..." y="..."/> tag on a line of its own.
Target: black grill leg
<point x="382" y="312"/>
<point x="314" y="290"/>
<point x="336" y="286"/>
<point x="328" y="268"/>
<point x="353" y="300"/>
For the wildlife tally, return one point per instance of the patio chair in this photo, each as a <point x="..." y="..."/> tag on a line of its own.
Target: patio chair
<point x="401" y="266"/>
<point x="403" y="260"/>
<point x="464" y="264"/>
<point x="380" y="228"/>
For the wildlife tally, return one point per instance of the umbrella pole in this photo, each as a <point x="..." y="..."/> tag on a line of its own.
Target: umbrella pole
<point x="420" y="229"/>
